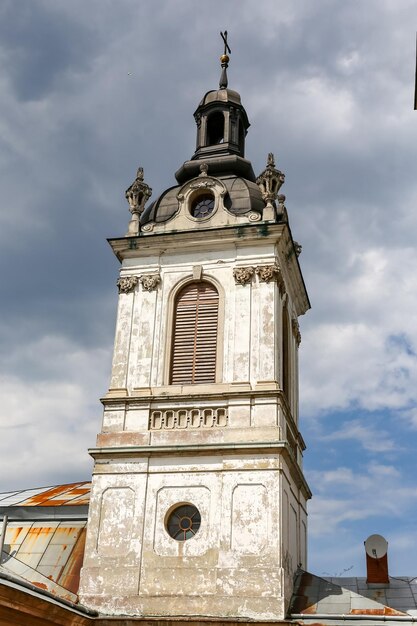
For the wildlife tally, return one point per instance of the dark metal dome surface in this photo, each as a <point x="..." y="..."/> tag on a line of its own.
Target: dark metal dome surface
<point x="242" y="196"/>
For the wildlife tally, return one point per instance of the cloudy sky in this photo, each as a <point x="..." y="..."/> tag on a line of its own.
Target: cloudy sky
<point x="90" y="90"/>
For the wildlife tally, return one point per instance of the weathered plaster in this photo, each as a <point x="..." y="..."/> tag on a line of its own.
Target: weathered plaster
<point x="162" y="445"/>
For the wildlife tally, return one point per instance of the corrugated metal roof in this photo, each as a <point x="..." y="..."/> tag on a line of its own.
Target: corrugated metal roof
<point x="54" y="550"/>
<point x="46" y="546"/>
<point x="56" y="495"/>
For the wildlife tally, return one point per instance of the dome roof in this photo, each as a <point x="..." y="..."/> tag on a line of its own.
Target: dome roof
<point x="221" y="95"/>
<point x="242" y="196"/>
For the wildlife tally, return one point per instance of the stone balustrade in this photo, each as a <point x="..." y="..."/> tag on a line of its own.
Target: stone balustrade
<point x="170" y="419"/>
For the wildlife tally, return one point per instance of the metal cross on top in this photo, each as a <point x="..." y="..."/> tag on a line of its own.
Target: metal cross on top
<point x="224" y="60"/>
<point x="226" y="45"/>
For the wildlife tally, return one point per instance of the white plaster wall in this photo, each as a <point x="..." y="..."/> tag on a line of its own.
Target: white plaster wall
<point x="250" y="319"/>
<point x="268" y="329"/>
<point x="233" y="561"/>
<point x="242" y="333"/>
<point x="143" y="338"/>
<point x="122" y="341"/>
<point x="294" y="528"/>
<point x="115" y="532"/>
<point x="252" y="536"/>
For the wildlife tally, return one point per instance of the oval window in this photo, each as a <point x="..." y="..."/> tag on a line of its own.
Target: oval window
<point x="183" y="522"/>
<point x="202" y="205"/>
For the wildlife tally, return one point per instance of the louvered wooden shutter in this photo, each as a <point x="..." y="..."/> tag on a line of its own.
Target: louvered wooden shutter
<point x="194" y="344"/>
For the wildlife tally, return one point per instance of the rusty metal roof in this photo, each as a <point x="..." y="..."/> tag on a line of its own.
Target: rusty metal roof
<point x="45" y="536"/>
<point x="58" y="495"/>
<point x="48" y="556"/>
<point x="328" y="600"/>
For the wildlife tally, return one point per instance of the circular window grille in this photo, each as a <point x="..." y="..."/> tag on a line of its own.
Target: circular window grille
<point x="184" y="522"/>
<point x="202" y="206"/>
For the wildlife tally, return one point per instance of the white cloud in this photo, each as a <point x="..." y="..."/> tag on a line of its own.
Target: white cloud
<point x="351" y="504"/>
<point x="410" y="417"/>
<point x="368" y="437"/>
<point x="49" y="421"/>
<point x="363" y="353"/>
<point x="377" y="493"/>
<point x="329" y="87"/>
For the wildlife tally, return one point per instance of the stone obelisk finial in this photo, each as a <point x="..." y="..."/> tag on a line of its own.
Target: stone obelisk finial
<point x="137" y="195"/>
<point x="224" y="59"/>
<point x="269" y="183"/>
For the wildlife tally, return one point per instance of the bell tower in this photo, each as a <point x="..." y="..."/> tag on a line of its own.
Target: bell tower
<point x="198" y="505"/>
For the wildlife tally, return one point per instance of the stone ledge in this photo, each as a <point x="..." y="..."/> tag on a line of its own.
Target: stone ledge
<point x="171" y="392"/>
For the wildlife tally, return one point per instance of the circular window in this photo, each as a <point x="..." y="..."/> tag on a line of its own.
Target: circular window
<point x="184" y="521"/>
<point x="202" y="205"/>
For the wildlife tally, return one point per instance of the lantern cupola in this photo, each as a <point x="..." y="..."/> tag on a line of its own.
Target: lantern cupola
<point x="222" y="125"/>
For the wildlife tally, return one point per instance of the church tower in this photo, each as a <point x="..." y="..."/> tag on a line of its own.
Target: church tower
<point x="198" y="505"/>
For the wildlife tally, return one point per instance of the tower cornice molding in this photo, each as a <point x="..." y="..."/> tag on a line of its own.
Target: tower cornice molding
<point x="131" y="247"/>
<point x="260" y="448"/>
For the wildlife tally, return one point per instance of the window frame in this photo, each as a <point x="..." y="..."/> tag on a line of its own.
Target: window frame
<point x="170" y="325"/>
<point x="174" y="510"/>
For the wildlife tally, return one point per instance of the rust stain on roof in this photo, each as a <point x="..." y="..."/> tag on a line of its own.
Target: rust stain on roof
<point x="60" y="495"/>
<point x="59" y="593"/>
<point x="40" y="585"/>
<point x="47" y="551"/>
<point x="53" y="551"/>
<point x="71" y="494"/>
<point x="14" y="532"/>
<point x="70" y="577"/>
<point x="385" y="610"/>
<point x="309" y="610"/>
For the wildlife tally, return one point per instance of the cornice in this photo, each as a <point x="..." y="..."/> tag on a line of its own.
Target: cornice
<point x="176" y="393"/>
<point x="132" y="247"/>
<point x="278" y="447"/>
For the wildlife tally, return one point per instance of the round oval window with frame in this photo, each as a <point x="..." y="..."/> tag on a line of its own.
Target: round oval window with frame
<point x="183" y="522"/>
<point x="202" y="205"/>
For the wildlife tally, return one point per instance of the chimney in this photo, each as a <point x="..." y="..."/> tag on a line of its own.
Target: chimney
<point x="376" y="548"/>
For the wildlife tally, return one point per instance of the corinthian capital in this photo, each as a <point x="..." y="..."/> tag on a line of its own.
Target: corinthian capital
<point x="268" y="273"/>
<point x="296" y="330"/>
<point x="243" y="275"/>
<point x="150" y="281"/>
<point x="127" y="284"/>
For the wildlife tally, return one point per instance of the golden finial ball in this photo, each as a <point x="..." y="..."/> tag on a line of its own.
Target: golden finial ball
<point x="224" y="58"/>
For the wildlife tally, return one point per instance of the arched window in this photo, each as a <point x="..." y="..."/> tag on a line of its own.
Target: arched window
<point x="215" y="128"/>
<point x="194" y="343"/>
